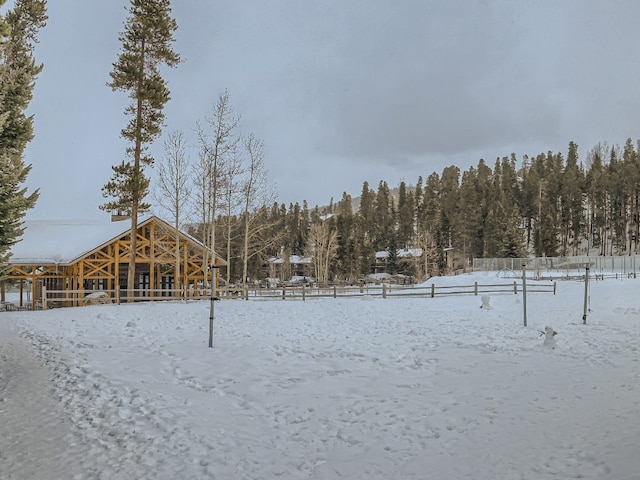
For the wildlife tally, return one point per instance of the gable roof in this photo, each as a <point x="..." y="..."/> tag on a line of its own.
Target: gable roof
<point x="402" y="253"/>
<point x="64" y="241"/>
<point x="293" y="259"/>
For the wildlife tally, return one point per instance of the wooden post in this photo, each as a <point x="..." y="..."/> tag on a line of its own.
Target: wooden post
<point x="475" y="288"/>
<point x="44" y="297"/>
<point x="303" y="293"/>
<point x="34" y="288"/>
<point x="515" y="287"/>
<point x="152" y="265"/>
<point x="384" y="290"/>
<point x="335" y="293"/>
<point x="433" y="290"/>
<point x="283" y="291"/>
<point x="116" y="271"/>
<point x="554" y="288"/>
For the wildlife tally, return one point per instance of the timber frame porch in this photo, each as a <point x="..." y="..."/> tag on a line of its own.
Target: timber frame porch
<point x="105" y="267"/>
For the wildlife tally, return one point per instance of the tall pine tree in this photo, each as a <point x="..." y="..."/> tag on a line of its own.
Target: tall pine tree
<point x="146" y="45"/>
<point x="385" y="221"/>
<point x="596" y="189"/>
<point x="18" y="70"/>
<point x="406" y="216"/>
<point x="572" y="204"/>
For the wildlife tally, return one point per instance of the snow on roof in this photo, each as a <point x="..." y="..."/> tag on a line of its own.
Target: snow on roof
<point x="410" y="252"/>
<point x="62" y="241"/>
<point x="402" y="253"/>
<point x="293" y="259"/>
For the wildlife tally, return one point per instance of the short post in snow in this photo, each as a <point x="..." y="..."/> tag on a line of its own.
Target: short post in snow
<point x="586" y="294"/>
<point x="524" y="291"/>
<point x="212" y="299"/>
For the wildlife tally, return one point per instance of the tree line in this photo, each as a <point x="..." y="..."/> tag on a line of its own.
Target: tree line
<point x="546" y="205"/>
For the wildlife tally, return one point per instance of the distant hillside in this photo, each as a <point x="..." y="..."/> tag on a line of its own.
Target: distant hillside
<point x="355" y="201"/>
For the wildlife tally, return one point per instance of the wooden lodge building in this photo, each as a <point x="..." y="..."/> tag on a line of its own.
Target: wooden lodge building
<point x="75" y="258"/>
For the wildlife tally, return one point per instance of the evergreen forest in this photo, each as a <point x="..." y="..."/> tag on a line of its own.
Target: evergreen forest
<point x="546" y="205"/>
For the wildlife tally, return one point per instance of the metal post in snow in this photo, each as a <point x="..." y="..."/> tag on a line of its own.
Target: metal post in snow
<point x="524" y="291"/>
<point x="586" y="294"/>
<point x="212" y="299"/>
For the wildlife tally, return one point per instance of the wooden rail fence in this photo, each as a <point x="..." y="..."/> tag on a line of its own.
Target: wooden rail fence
<point x="69" y="298"/>
<point x="386" y="290"/>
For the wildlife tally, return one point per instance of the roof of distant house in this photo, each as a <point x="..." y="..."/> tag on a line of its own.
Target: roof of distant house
<point x="402" y="253"/>
<point x="293" y="259"/>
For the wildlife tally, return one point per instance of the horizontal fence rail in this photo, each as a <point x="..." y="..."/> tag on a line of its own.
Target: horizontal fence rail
<point x="73" y="298"/>
<point x="388" y="290"/>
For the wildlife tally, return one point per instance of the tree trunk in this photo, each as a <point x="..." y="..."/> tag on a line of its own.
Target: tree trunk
<point x="131" y="271"/>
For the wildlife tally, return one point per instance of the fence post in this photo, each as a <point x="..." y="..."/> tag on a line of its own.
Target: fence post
<point x="284" y="287"/>
<point x="554" y="288"/>
<point x="384" y="290"/>
<point x="433" y="290"/>
<point x="515" y="287"/>
<point x="44" y="297"/>
<point x="475" y="288"/>
<point x="303" y="293"/>
<point x="335" y="293"/>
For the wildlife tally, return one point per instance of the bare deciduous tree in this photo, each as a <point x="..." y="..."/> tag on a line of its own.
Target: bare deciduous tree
<point x="173" y="189"/>
<point x="322" y="244"/>
<point x="215" y="143"/>
<point x="256" y="196"/>
<point x="426" y="242"/>
<point x="231" y="198"/>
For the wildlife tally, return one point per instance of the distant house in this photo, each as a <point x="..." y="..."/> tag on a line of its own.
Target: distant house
<point x="404" y="255"/>
<point x="298" y="266"/>
<point x="72" y="256"/>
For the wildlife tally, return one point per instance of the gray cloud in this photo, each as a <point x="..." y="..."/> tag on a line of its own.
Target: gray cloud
<point x="343" y="91"/>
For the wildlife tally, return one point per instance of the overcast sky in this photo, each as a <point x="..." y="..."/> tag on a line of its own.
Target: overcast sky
<point x="343" y="91"/>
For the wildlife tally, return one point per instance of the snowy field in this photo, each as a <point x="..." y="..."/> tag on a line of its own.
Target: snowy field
<point x="357" y="388"/>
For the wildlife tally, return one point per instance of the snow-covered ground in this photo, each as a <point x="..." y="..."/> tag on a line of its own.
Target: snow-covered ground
<point x="356" y="388"/>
